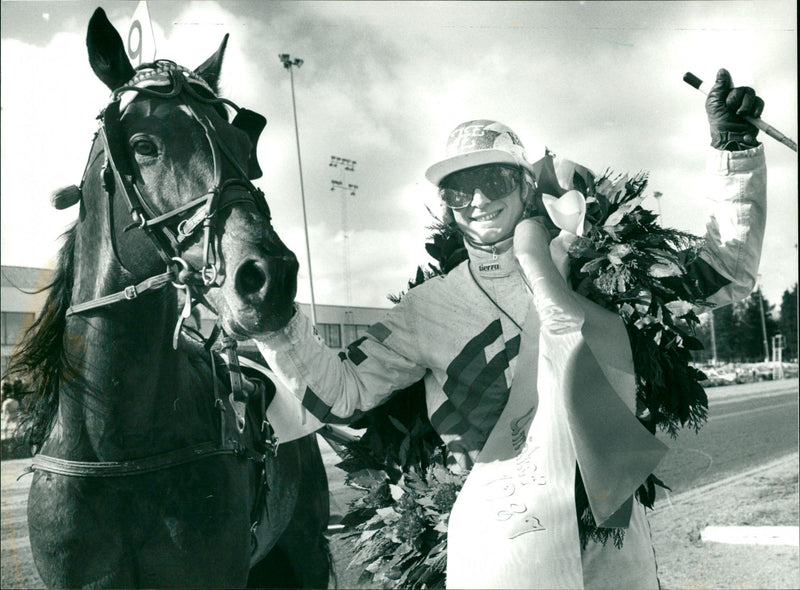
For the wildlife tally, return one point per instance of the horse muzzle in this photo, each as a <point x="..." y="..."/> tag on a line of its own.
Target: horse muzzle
<point x="268" y="283"/>
<point x="261" y="296"/>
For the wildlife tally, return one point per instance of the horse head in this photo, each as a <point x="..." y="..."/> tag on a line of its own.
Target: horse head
<point x="173" y="175"/>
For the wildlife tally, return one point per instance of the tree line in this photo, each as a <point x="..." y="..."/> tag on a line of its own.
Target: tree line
<point x="739" y="330"/>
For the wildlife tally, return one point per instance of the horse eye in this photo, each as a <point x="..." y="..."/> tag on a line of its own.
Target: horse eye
<point x="144" y="147"/>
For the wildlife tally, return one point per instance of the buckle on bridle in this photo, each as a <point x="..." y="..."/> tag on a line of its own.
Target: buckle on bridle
<point x="130" y="292"/>
<point x="271" y="441"/>
<point x="209" y="274"/>
<point x="183" y="233"/>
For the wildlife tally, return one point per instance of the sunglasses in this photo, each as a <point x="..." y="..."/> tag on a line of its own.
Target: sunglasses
<point x="495" y="182"/>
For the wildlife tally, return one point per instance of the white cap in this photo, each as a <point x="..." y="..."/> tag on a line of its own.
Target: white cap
<point x="479" y="142"/>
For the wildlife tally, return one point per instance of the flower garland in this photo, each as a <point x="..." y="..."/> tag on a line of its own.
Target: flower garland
<point x="624" y="261"/>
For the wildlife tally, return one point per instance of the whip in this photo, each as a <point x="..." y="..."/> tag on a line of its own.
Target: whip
<point x="697" y="83"/>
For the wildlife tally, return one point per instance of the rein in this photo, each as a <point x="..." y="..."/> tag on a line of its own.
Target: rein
<point x="223" y="194"/>
<point x="131" y="467"/>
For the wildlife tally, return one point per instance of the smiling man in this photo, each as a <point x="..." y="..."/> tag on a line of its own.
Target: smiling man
<point x="506" y="347"/>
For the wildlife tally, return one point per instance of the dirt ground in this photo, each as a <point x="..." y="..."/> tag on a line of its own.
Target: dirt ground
<point x="768" y="498"/>
<point x="764" y="496"/>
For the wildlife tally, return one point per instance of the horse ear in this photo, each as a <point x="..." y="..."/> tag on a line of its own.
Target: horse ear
<point x="210" y="69"/>
<point x="106" y="52"/>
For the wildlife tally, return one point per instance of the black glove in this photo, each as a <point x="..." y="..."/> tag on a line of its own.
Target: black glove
<point x="725" y="107"/>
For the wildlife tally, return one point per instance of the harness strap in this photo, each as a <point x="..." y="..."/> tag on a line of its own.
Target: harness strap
<point x="218" y="403"/>
<point x="188" y="226"/>
<point x="238" y="397"/>
<point x="177" y="211"/>
<point x="260" y="511"/>
<point x="130" y="292"/>
<point x="130" y="467"/>
<point x="120" y="166"/>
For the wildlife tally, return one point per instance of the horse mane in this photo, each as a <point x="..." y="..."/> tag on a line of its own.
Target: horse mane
<point x="40" y="358"/>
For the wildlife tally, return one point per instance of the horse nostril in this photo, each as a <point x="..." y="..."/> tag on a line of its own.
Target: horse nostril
<point x="250" y="278"/>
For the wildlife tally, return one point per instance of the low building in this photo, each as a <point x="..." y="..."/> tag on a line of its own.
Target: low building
<point x="22" y="300"/>
<point x="337" y="325"/>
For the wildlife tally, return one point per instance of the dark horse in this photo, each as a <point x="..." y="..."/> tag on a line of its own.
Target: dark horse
<point x="150" y="471"/>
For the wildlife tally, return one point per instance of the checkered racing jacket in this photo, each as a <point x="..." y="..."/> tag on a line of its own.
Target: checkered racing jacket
<point x="450" y="333"/>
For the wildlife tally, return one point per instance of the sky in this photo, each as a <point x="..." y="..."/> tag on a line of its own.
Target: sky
<point x="383" y="84"/>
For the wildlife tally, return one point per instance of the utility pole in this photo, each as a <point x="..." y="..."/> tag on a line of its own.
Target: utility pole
<point x="344" y="166"/>
<point x="777" y="356"/>
<point x="713" y="340"/>
<point x="763" y="320"/>
<point x="288" y="63"/>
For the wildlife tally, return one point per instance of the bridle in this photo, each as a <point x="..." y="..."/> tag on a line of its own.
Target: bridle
<point x="165" y="235"/>
<point x="168" y="233"/>
<point x="222" y="193"/>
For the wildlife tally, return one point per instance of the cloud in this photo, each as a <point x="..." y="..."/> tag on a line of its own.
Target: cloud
<point x="48" y="123"/>
<point x="383" y="83"/>
<point x="361" y="270"/>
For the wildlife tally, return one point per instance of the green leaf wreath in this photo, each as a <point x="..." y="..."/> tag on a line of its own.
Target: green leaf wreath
<point x="625" y="262"/>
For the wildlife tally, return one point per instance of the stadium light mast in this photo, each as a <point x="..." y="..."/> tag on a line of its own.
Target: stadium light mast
<point x="290" y="63"/>
<point x="344" y="166"/>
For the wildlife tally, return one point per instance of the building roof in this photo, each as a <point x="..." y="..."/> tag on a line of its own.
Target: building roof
<point x="24" y="277"/>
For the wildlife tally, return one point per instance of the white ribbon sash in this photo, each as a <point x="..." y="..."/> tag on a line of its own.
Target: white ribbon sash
<point x="514" y="524"/>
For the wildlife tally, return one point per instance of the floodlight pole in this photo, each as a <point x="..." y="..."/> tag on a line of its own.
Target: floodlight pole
<point x="345" y="166"/>
<point x="288" y="62"/>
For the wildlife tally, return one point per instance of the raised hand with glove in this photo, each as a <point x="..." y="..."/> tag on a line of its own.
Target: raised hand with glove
<point x="726" y="107"/>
